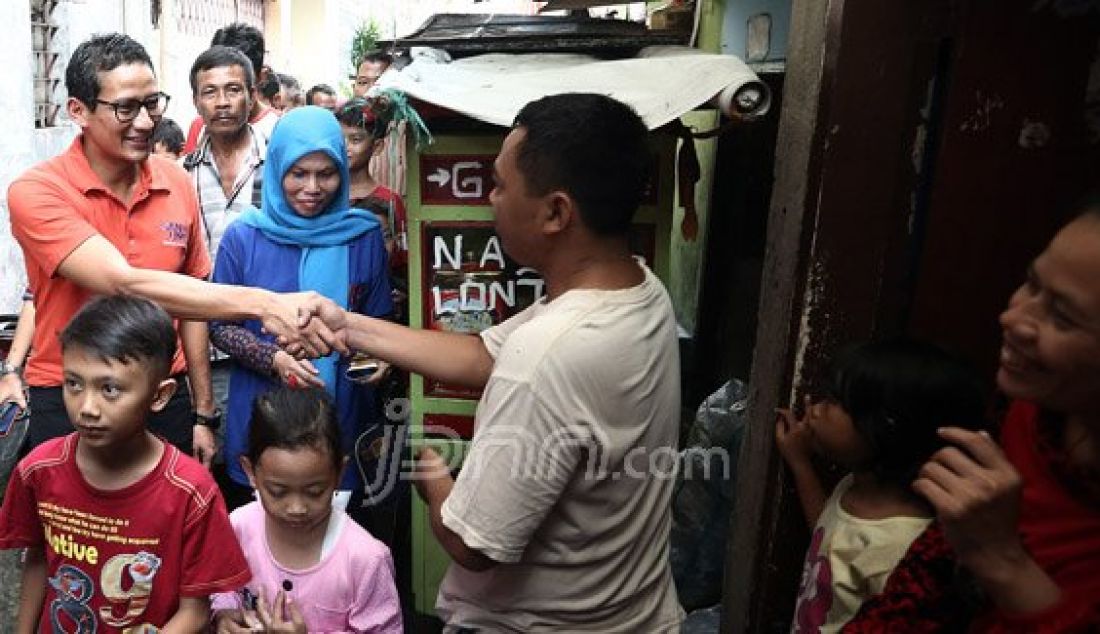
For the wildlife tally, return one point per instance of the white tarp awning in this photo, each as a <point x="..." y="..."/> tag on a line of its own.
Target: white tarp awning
<point x="661" y="83"/>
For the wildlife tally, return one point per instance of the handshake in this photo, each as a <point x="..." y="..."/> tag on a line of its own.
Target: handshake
<point x="307" y="324"/>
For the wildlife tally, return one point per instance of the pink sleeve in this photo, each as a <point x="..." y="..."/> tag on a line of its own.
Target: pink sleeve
<point x="224" y="601"/>
<point x="377" y="608"/>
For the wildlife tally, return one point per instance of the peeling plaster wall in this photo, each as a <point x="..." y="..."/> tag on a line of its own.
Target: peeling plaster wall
<point x="17" y="144"/>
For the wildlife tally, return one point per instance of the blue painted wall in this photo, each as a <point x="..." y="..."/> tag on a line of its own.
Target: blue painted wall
<point x="735" y="26"/>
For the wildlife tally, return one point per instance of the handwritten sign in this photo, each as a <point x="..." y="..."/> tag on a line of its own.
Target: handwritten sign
<point x="467" y="179"/>
<point x="456" y="179"/>
<point x="470" y="285"/>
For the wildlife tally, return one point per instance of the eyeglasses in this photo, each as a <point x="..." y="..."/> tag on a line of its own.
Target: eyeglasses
<point x="126" y="111"/>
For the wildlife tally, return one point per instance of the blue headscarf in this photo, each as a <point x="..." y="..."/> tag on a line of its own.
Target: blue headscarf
<point x="324" y="238"/>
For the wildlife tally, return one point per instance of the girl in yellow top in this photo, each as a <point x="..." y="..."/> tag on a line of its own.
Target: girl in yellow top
<point x="885" y="402"/>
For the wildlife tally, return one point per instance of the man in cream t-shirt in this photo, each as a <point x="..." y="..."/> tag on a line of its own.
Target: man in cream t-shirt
<point x="568" y="483"/>
<point x="559" y="519"/>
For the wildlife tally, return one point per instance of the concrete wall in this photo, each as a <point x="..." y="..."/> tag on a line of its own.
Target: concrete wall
<point x="311" y="39"/>
<point x="313" y="54"/>
<point x="16" y="145"/>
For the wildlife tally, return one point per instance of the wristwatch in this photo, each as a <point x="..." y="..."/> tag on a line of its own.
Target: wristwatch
<point x="7" y="368"/>
<point x="213" y="421"/>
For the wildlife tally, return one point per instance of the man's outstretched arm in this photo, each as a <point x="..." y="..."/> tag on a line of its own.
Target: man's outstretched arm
<point x="450" y="357"/>
<point x="99" y="267"/>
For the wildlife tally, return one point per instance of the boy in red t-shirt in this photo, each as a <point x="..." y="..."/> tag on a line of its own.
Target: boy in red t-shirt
<point x="123" y="531"/>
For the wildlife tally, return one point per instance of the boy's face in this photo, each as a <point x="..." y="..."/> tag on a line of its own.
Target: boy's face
<point x="359" y="144"/>
<point x="108" y="401"/>
<point x="160" y="149"/>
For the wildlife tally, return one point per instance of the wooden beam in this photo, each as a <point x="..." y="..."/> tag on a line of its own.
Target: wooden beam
<point x="840" y="251"/>
<point x="756" y="508"/>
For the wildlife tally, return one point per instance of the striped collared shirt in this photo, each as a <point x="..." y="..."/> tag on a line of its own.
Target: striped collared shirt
<point x="218" y="209"/>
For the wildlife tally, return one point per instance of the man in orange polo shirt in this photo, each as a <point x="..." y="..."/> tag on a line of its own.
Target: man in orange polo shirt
<point x="105" y="218"/>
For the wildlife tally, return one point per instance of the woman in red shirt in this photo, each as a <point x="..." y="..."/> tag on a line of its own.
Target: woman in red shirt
<point x="1022" y="518"/>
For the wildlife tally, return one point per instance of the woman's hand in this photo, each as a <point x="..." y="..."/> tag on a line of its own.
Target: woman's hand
<point x="976" y="493"/>
<point x="793" y="436"/>
<point x="295" y="373"/>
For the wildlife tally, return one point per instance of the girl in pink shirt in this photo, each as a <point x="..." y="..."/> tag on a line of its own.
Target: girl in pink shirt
<point x="313" y="569"/>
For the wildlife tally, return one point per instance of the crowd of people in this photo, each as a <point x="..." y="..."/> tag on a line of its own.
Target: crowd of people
<point x="263" y="234"/>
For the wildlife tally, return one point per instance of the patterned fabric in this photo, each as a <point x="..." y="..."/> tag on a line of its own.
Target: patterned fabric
<point x="113" y="562"/>
<point x="850" y="559"/>
<point x="236" y="341"/>
<point x="1060" y="528"/>
<point x="922" y="594"/>
<point x="218" y="209"/>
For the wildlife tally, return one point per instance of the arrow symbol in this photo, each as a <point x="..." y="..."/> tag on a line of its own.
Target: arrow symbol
<point x="440" y="177"/>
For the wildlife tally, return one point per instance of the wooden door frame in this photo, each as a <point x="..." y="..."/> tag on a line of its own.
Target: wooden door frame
<point x="838" y="262"/>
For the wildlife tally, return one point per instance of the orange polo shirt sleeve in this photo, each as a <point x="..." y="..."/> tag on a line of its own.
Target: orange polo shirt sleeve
<point x="57" y="205"/>
<point x="42" y="220"/>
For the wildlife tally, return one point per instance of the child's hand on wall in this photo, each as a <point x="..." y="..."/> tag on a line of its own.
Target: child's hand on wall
<point x="793" y="436"/>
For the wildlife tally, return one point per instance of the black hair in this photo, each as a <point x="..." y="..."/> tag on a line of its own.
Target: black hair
<point x="169" y="133"/>
<point x="100" y="54"/>
<point x="288" y="81"/>
<point x="219" y="57"/>
<point x="376" y="55"/>
<point x="319" y="88"/>
<point x="245" y="38"/>
<point x="373" y="114"/>
<point x="270" y="86"/>
<point x="591" y="147"/>
<point x="376" y="206"/>
<point x="1087" y="205"/>
<point x="124" y="328"/>
<point x="898" y="392"/>
<point x="291" y="419"/>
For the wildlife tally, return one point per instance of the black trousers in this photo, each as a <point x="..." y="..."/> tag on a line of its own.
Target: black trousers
<point x="50" y="420"/>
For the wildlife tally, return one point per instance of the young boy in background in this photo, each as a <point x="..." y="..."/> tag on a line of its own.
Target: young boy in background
<point x="167" y="139"/>
<point x="122" y="530"/>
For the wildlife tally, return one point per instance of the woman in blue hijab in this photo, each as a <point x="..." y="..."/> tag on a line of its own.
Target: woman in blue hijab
<point x="305" y="237"/>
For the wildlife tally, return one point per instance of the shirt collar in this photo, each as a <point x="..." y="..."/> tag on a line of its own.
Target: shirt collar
<point x="256" y="154"/>
<point x="151" y="176"/>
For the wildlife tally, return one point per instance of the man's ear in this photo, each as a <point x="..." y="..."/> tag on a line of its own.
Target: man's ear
<point x="249" y="470"/>
<point x="163" y="393"/>
<point x="78" y="111"/>
<point x="559" y="212"/>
